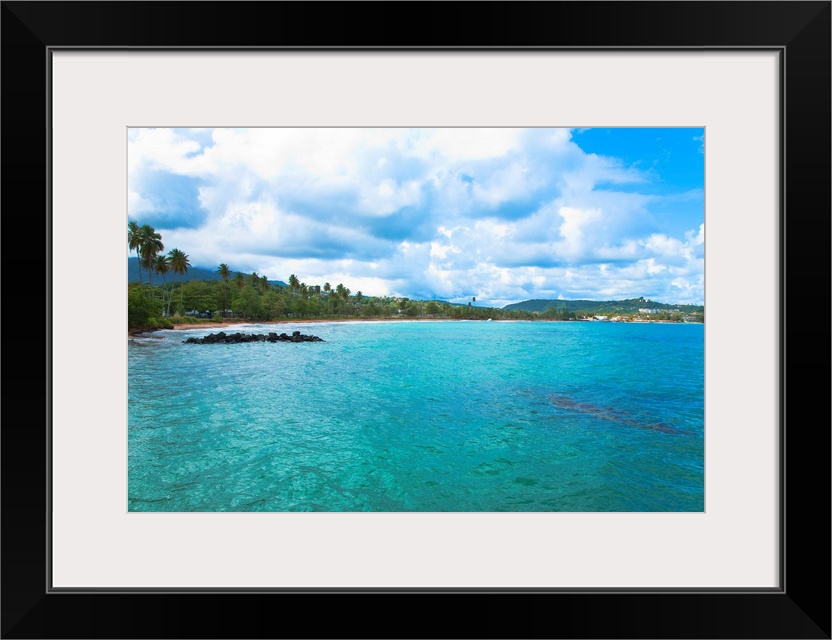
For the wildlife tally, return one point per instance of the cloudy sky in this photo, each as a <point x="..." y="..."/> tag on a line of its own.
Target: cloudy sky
<point x="501" y="214"/>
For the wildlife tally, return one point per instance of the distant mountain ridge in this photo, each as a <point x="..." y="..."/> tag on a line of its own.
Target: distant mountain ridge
<point x="193" y="273"/>
<point x="631" y="305"/>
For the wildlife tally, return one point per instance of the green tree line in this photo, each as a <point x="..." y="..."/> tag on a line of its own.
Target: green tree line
<point x="160" y="303"/>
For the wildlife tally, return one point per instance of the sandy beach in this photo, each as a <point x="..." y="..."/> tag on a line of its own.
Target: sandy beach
<point x="210" y="325"/>
<point x="230" y="324"/>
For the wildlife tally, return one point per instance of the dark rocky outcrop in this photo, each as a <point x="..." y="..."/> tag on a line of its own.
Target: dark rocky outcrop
<point x="237" y="338"/>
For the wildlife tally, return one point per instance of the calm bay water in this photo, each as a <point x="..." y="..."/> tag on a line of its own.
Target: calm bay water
<point x="420" y="416"/>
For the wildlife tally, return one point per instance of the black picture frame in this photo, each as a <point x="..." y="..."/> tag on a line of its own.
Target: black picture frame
<point x="799" y="608"/>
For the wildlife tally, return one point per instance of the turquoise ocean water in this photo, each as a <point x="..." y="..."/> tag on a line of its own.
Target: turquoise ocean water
<point x="420" y="416"/>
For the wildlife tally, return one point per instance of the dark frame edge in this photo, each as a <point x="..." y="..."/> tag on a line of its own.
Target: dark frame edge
<point x="806" y="204"/>
<point x="49" y="307"/>
<point x="803" y="612"/>
<point x="781" y="480"/>
<point x="24" y="531"/>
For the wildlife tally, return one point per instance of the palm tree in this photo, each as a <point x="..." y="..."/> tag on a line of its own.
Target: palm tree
<point x="264" y="283"/>
<point x="225" y="274"/>
<point x="345" y="294"/>
<point x="134" y="241"/>
<point x="151" y="246"/>
<point x="294" y="283"/>
<point x="339" y="292"/>
<point x="327" y="287"/>
<point x="239" y="280"/>
<point x="179" y="265"/>
<point x="254" y="279"/>
<point x="162" y="266"/>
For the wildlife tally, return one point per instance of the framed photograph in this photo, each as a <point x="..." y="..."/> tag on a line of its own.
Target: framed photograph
<point x="513" y="315"/>
<point x="677" y="166"/>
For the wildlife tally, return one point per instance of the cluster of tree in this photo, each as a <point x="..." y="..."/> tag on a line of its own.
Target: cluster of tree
<point x="555" y="313"/>
<point x="253" y="297"/>
<point x="142" y="308"/>
<point x="603" y="307"/>
<point x="677" y="316"/>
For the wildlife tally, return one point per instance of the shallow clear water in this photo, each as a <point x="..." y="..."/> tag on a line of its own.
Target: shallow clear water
<point x="421" y="416"/>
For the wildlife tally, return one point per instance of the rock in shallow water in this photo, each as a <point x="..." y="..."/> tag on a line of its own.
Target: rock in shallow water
<point x="237" y="338"/>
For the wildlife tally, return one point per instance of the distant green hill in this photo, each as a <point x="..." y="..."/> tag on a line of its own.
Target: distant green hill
<point x="194" y="273"/>
<point x="631" y="305"/>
